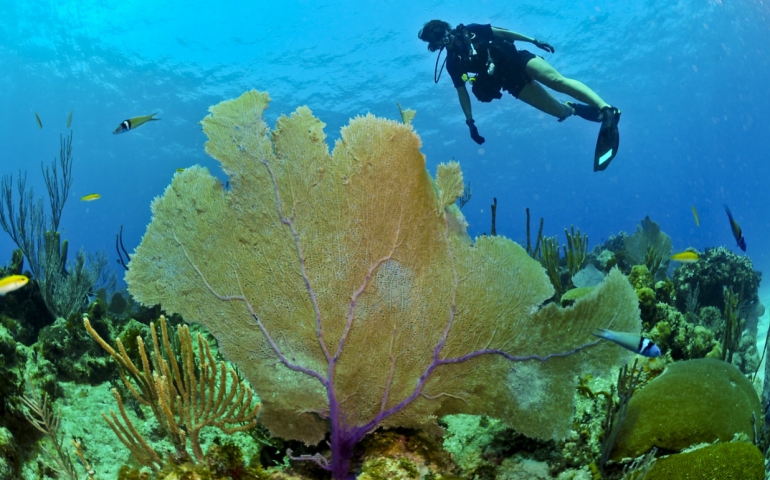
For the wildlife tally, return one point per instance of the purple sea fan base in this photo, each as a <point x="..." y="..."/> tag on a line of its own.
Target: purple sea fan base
<point x="344" y="440"/>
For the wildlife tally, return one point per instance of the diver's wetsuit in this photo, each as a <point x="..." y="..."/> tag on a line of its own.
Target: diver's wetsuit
<point x="510" y="64"/>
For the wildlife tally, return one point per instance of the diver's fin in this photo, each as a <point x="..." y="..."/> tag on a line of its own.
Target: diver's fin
<point x="609" y="139"/>
<point x="587" y="112"/>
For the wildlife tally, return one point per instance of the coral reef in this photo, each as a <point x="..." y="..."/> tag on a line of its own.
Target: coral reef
<point x="15" y="362"/>
<point x="344" y="286"/>
<point x="403" y="453"/>
<point x="681" y="339"/>
<point x="648" y="246"/>
<point x="640" y="277"/>
<point x="222" y="462"/>
<point x="347" y="291"/>
<point x="487" y="449"/>
<point x="605" y="260"/>
<point x="73" y="354"/>
<point x="10" y="457"/>
<point x="716" y="269"/>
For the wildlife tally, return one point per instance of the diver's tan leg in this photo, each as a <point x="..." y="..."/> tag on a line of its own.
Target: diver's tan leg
<point x="534" y="94"/>
<point x="543" y="72"/>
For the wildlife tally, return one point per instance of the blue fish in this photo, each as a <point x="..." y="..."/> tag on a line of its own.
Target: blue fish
<point x="736" y="230"/>
<point x="630" y="341"/>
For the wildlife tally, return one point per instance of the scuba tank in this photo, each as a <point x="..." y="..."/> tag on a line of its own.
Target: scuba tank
<point x="488" y="85"/>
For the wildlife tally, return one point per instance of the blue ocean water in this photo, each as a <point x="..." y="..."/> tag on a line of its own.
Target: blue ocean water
<point x="690" y="77"/>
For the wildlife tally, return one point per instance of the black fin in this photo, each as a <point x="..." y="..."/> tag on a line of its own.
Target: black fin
<point x="587" y="112"/>
<point x="609" y="139"/>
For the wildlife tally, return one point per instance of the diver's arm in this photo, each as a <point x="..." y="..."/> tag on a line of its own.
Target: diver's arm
<point x="511" y="36"/>
<point x="465" y="102"/>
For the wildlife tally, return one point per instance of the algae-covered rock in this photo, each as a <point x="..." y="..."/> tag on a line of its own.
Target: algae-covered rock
<point x="723" y="461"/>
<point x="640" y="277"/>
<point x="682" y="339"/>
<point x="665" y="291"/>
<point x="76" y="356"/>
<point x="606" y="260"/>
<point x="403" y="453"/>
<point x="13" y="357"/>
<point x="10" y="458"/>
<point x="474" y="443"/>
<point x="389" y="469"/>
<point x="697" y="401"/>
<point x="647" y="304"/>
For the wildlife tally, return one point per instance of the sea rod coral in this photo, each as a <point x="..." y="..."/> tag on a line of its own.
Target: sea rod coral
<point x="346" y="290"/>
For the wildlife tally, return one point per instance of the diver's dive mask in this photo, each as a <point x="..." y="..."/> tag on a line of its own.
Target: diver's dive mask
<point x="438" y="40"/>
<point x="458" y="37"/>
<point x="441" y="43"/>
<point x="446" y="39"/>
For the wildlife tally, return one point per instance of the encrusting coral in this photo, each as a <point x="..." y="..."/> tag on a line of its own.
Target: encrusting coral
<point x="346" y="290"/>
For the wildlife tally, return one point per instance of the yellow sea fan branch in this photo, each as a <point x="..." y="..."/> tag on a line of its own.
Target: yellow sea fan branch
<point x="406" y="115"/>
<point x="449" y="179"/>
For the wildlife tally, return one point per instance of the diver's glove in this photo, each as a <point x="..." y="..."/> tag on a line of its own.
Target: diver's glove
<point x="474" y="131"/>
<point x="545" y="46"/>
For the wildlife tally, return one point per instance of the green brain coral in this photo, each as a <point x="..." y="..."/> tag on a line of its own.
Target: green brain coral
<point x="723" y="461"/>
<point x="692" y="402"/>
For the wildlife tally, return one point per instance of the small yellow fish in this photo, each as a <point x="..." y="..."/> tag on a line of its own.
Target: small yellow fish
<point x="685" y="257"/>
<point x="11" y="283"/>
<point x="134" y="122"/>
<point x="180" y="169"/>
<point x="69" y="120"/>
<point x="39" y="123"/>
<point x="695" y="216"/>
<point x="90" y="197"/>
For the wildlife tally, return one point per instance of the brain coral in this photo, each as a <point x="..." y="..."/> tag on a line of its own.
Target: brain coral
<point x="697" y="401"/>
<point x="725" y="461"/>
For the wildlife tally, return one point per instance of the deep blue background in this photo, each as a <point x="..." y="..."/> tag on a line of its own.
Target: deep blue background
<point x="691" y="78"/>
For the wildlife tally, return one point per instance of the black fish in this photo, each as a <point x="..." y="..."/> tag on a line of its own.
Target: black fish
<point x="736" y="230"/>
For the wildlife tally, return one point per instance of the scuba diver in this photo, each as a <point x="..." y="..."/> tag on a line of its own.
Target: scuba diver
<point x="489" y="53"/>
